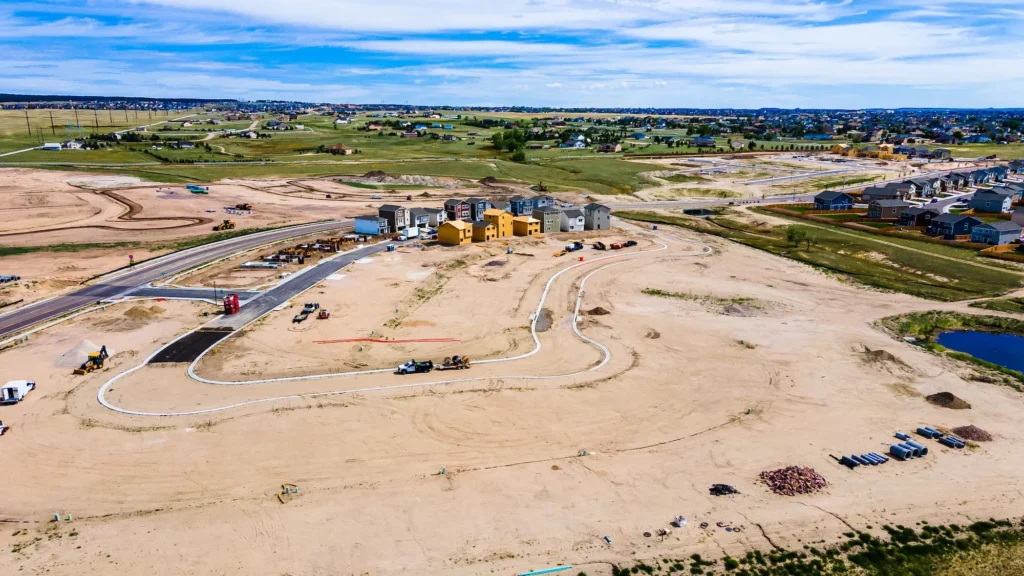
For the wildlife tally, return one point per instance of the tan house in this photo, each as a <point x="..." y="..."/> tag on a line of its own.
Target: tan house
<point x="525" y="226"/>
<point x="502" y="221"/>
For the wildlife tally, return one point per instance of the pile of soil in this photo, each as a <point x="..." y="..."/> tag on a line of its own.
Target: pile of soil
<point x="76" y="356"/>
<point x="496" y="263"/>
<point x="143" y="313"/>
<point x="375" y="174"/>
<point x="739" y="310"/>
<point x="882" y="357"/>
<point x="489" y="180"/>
<point x="972" y="432"/>
<point x="653" y="334"/>
<point x="598" y="312"/>
<point x="793" y="480"/>
<point x="948" y="400"/>
<point x="544" y="320"/>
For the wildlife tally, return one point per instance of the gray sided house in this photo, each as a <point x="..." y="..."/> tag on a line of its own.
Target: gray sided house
<point x="397" y="216"/>
<point x="571" y="220"/>
<point x="918" y="216"/>
<point x="372" y="224"/>
<point x="949" y="226"/>
<point x="941" y="154"/>
<point x="543" y="201"/>
<point x="890" y="191"/>
<point x="550" y="219"/>
<point x="477" y="207"/>
<point x="887" y="209"/>
<point x="419" y="217"/>
<point x="832" y="200"/>
<point x="927" y="187"/>
<point x="437" y="216"/>
<point x="996" y="233"/>
<point x="596" y="217"/>
<point x="991" y="202"/>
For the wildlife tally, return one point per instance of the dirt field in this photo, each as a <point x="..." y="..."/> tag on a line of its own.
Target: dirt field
<point x="760" y="365"/>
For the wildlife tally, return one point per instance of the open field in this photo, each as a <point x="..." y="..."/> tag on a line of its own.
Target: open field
<point x="769" y="354"/>
<point x="14" y="132"/>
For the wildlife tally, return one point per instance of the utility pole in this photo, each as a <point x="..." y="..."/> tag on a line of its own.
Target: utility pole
<point x="125" y="114"/>
<point x="96" y="119"/>
<point x="27" y="124"/>
<point x="110" y="116"/>
<point x="78" y="125"/>
<point x="52" y="130"/>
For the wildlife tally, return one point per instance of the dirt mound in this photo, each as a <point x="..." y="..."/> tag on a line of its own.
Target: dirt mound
<point x="948" y="400"/>
<point x="426" y="195"/>
<point x="883" y="357"/>
<point x="496" y="263"/>
<point x="375" y="174"/>
<point x="143" y="313"/>
<point x="76" y="356"/>
<point x="653" y="334"/>
<point x="972" y="432"/>
<point x="488" y="181"/>
<point x="598" y="312"/>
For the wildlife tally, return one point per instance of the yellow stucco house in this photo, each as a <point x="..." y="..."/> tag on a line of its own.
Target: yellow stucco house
<point x="502" y="221"/>
<point x="484" y="231"/>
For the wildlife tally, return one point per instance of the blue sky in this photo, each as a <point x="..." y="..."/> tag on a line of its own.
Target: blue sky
<point x="699" y="53"/>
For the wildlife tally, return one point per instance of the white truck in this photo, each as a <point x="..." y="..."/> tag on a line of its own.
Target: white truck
<point x="410" y="233"/>
<point x="15" y="391"/>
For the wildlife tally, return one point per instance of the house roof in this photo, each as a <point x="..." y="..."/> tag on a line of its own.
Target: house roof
<point x="494" y="212"/>
<point x="828" y="195"/>
<point x="595" y="206"/>
<point x="390" y="208"/>
<point x="992" y="194"/>
<point x="915" y="210"/>
<point x="1002" y="226"/>
<point x="431" y="210"/>
<point x="525" y="219"/>
<point x="951" y="218"/>
<point x="476" y="200"/>
<point x="548" y="210"/>
<point x="460" y="224"/>
<point x="453" y="202"/>
<point x="518" y="198"/>
<point x="482" y="224"/>
<point x="373" y="217"/>
<point x="572" y="213"/>
<point x="418" y="211"/>
<point x="890" y="203"/>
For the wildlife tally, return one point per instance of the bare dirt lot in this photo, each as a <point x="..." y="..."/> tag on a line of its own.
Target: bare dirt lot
<point x="695" y="391"/>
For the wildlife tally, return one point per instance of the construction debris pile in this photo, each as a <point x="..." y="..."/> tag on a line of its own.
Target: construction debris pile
<point x="722" y="490"/>
<point x="972" y="432"/>
<point x="793" y="480"/>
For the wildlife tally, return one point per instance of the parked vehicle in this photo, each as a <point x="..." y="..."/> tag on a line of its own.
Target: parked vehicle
<point x="310" y="307"/>
<point x="414" y="367"/>
<point x="9" y="278"/>
<point x="324" y="314"/>
<point x="299" y="318"/>
<point x="629" y="244"/>
<point x="455" y="363"/>
<point x="409" y="234"/>
<point x="600" y="246"/>
<point x="574" y="246"/>
<point x="15" y="391"/>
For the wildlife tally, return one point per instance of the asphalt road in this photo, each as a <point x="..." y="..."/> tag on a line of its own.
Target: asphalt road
<point x="117" y="284"/>
<point x="295" y="285"/>
<point x="191" y="293"/>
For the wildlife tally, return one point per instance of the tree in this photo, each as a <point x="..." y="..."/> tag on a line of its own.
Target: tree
<point x="519" y="156"/>
<point x="796" y="234"/>
<point x="751" y="145"/>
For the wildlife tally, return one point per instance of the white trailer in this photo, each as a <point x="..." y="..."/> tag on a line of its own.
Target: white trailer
<point x="15" y="391"/>
<point x="410" y="233"/>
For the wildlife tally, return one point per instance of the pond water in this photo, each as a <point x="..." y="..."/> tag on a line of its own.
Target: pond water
<point x="1003" y="349"/>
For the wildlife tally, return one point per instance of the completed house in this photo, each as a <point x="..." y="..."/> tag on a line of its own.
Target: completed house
<point x="610" y="147"/>
<point x="543" y="201"/>
<point x="455" y="233"/>
<point x="949" y="226"/>
<point x="502" y="221"/>
<point x="372" y="224"/>
<point x="832" y="200"/>
<point x="525" y="226"/>
<point x="996" y="233"/>
<point x="991" y="202"/>
<point x="419" y="217"/>
<point x="456" y="209"/>
<point x="550" y="219"/>
<point x="890" y="191"/>
<point x="596" y="217"/>
<point x="572" y="220"/>
<point x="520" y="206"/>
<point x="484" y="231"/>
<point x="477" y="207"/>
<point x="927" y="187"/>
<point x="437" y="216"/>
<point x="918" y="216"/>
<point x="887" y="209"/>
<point x="397" y="216"/>
<point x="1018" y="216"/>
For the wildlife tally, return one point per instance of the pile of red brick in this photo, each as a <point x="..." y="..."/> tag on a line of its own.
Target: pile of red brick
<point x="793" y="480"/>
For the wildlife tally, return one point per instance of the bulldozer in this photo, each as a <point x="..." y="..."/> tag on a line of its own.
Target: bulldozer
<point x="95" y="362"/>
<point x="225" y="225"/>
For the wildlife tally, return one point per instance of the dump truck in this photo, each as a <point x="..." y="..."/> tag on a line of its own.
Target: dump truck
<point x="231" y="305"/>
<point x="454" y="363"/>
<point x="615" y="246"/>
<point x="225" y="225"/>
<point x="599" y="246"/>
<point x="414" y="367"/>
<point x="15" y="391"/>
<point x="94" y="362"/>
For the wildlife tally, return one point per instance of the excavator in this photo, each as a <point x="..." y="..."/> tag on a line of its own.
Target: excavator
<point x="95" y="361"/>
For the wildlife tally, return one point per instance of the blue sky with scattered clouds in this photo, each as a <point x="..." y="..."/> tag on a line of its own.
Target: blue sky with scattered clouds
<point x="686" y="53"/>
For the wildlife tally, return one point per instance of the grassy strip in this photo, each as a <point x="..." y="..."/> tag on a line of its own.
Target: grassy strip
<point x="1010" y="305"/>
<point x="857" y="256"/>
<point x="902" y="551"/>
<point x="705" y="299"/>
<point x="1018" y="376"/>
<point x="75" y="247"/>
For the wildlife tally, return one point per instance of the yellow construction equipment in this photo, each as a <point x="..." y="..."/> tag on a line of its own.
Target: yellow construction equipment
<point x="95" y="362"/>
<point x="288" y="491"/>
<point x="225" y="225"/>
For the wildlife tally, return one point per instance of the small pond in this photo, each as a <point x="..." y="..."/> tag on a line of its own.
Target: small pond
<point x="999" y="348"/>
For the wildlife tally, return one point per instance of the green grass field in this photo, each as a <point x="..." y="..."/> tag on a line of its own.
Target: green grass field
<point x="14" y="133"/>
<point x="857" y="257"/>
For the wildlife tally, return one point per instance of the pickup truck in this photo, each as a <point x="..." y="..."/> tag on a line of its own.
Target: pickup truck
<point x="414" y="367"/>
